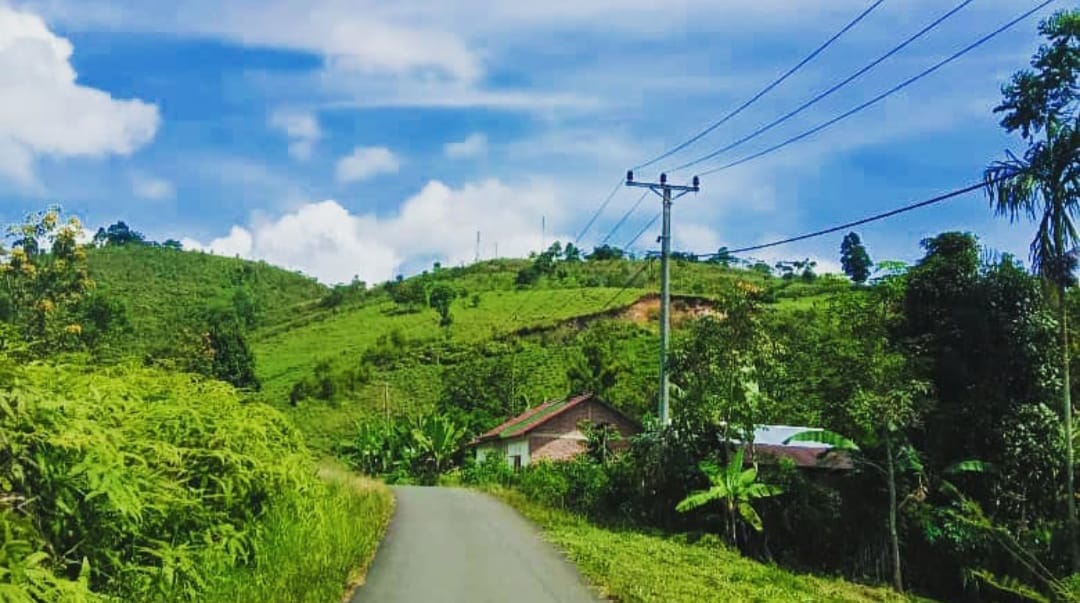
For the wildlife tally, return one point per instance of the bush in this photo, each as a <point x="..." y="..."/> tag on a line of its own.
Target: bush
<point x="580" y="485"/>
<point x="492" y="471"/>
<point x="139" y="484"/>
<point x="545" y="483"/>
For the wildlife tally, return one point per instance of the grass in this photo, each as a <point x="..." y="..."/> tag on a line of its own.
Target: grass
<point x="285" y="357"/>
<point x="316" y="553"/>
<point x="166" y="290"/>
<point x="635" y="566"/>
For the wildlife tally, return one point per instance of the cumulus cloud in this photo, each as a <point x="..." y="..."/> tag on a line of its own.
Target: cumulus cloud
<point x="367" y="162"/>
<point x="46" y="112"/>
<point x="302" y="129"/>
<point x="440" y="223"/>
<point x="145" y="186"/>
<point x="475" y="145"/>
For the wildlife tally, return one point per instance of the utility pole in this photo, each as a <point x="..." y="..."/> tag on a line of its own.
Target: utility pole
<point x="664" y="190"/>
<point x="478" y="247"/>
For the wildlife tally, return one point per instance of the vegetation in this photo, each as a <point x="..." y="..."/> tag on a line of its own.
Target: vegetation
<point x="158" y="407"/>
<point x="1041" y="104"/>
<point x="623" y="564"/>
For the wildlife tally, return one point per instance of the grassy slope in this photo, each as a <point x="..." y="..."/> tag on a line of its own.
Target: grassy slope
<point x="288" y="351"/>
<point x="165" y="289"/>
<point x="635" y="566"/>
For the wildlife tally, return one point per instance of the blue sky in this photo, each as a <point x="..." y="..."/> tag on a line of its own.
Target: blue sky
<point x="367" y="138"/>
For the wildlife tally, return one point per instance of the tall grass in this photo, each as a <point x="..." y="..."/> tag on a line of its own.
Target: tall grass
<point x="142" y="485"/>
<point x="313" y="550"/>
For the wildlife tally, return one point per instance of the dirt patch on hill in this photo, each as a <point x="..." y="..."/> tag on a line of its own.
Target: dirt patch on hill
<point x="647" y="309"/>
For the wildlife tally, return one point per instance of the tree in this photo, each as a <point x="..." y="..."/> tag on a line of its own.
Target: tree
<point x="717" y="368"/>
<point x="44" y="278"/>
<point x="232" y="361"/>
<point x="736" y="488"/>
<point x="596" y="368"/>
<point x="606" y="252"/>
<point x="723" y="258"/>
<point x="572" y="253"/>
<point x="441" y="297"/>
<point x="1041" y="105"/>
<point x="888" y="399"/>
<point x="854" y="259"/>
<point x="121" y="234"/>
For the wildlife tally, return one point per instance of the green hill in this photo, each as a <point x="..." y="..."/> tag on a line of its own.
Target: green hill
<point x="166" y="290"/>
<point x="330" y="357"/>
<point x="370" y="355"/>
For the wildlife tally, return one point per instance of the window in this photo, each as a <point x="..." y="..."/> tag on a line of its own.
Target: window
<point x="516" y="462"/>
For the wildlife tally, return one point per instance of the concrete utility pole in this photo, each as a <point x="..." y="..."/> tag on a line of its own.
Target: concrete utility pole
<point x="664" y="189"/>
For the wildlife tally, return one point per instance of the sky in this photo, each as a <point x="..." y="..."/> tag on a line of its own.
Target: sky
<point x="365" y="138"/>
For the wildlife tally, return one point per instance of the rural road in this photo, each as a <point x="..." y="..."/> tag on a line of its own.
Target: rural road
<point x="449" y="545"/>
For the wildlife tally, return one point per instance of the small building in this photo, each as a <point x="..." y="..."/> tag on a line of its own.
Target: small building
<point x="553" y="431"/>
<point x="771" y="444"/>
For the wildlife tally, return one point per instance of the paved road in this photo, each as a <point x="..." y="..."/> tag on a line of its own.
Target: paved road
<point x="449" y="545"/>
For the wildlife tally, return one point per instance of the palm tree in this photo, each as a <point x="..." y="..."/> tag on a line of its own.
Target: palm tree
<point x="736" y="488"/>
<point x="1044" y="185"/>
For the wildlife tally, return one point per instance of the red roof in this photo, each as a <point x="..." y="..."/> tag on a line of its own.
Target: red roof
<point x="533" y="418"/>
<point x="813" y="458"/>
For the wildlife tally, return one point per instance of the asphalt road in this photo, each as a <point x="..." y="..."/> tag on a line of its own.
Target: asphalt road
<point x="450" y="545"/>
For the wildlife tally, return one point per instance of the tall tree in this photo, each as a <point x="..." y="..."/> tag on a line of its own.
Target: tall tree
<point x="1041" y="105"/>
<point x="854" y="258"/>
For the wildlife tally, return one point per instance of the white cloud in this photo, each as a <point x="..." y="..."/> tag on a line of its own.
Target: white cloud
<point x="238" y="243"/>
<point x="302" y="128"/>
<point x="145" y="186"/>
<point x="474" y="145"/>
<point x="439" y="223"/>
<point x="46" y="112"/>
<point x="367" y="162"/>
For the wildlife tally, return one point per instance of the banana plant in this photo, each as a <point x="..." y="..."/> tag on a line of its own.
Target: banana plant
<point x="735" y="487"/>
<point x="437" y="439"/>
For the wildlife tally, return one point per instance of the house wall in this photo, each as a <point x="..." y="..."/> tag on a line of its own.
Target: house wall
<point x="560" y="439"/>
<point x="507" y="449"/>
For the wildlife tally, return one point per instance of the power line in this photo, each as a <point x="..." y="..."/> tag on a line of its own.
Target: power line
<point x="764" y="90"/>
<point x="625" y="217"/>
<point x="884" y="95"/>
<point x="813" y="101"/>
<point x="598" y="211"/>
<point x="642" y="231"/>
<point x="860" y="222"/>
<point x="626" y="286"/>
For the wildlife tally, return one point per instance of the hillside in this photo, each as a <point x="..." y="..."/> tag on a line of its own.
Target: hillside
<point x="373" y="356"/>
<point x="361" y="353"/>
<point x="166" y="291"/>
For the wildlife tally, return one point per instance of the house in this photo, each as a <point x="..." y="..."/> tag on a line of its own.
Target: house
<point x="552" y="431"/>
<point x="771" y="445"/>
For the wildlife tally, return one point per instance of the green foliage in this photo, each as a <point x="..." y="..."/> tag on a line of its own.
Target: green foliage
<point x="168" y="294"/>
<point x="596" y="368"/>
<point x="854" y="259"/>
<point x="441" y="297"/>
<point x="43" y="280"/>
<point x="232" y="360"/>
<point x="142" y="485"/>
<point x="404" y="449"/>
<point x="623" y="564"/>
<point x="736" y="487"/>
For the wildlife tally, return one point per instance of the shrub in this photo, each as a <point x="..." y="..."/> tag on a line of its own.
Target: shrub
<point x="492" y="471"/>
<point x="138" y="482"/>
